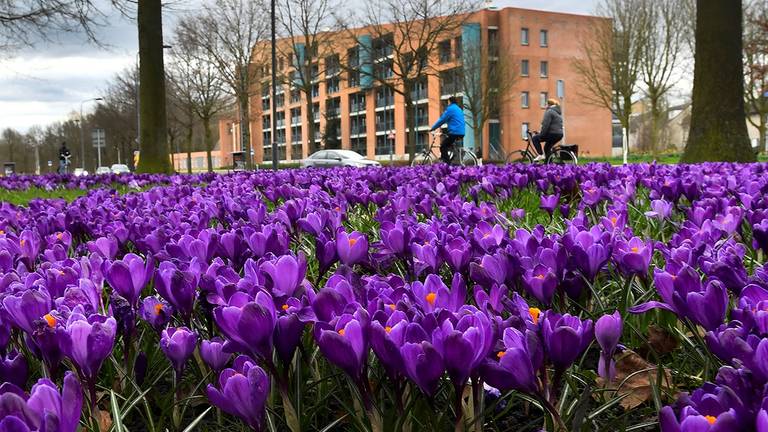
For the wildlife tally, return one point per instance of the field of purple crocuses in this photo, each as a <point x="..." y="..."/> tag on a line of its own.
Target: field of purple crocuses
<point x="495" y="298"/>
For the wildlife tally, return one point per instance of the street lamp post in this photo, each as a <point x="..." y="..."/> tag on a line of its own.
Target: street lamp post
<point x="82" y="139"/>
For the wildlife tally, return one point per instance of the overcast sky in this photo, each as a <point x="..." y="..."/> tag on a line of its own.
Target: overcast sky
<point x="46" y="83"/>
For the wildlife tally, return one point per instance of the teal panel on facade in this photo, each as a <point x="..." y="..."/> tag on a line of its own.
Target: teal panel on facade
<point x="470" y="41"/>
<point x="366" y="65"/>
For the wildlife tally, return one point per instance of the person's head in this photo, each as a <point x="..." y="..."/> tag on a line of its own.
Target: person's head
<point x="453" y="100"/>
<point x="552" y="102"/>
<point x="64" y="145"/>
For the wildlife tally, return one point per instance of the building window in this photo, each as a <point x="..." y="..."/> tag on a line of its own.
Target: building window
<point x="524" y="68"/>
<point x="543" y="38"/>
<point x="385" y="120"/>
<point x="544" y="69"/>
<point x="458" y="47"/>
<point x="524" y="130"/>
<point x="357" y="125"/>
<point x="384" y="97"/>
<point x="543" y="99"/>
<point x="360" y="145"/>
<point x="356" y="102"/>
<point x="419" y="91"/>
<point x="280" y="100"/>
<point x="316" y="111"/>
<point x="383" y="70"/>
<point x="493" y="42"/>
<point x="265" y="122"/>
<point x="524" y="36"/>
<point x="384" y="145"/>
<point x="444" y="48"/>
<point x="382" y="47"/>
<point x="295" y="95"/>
<point x="295" y="116"/>
<point x="296" y="134"/>
<point x="333" y="107"/>
<point x="450" y="82"/>
<point x="422" y="115"/>
<point x="332" y="85"/>
<point x="524" y="99"/>
<point x="332" y="65"/>
<point x="280" y="119"/>
<point x="265" y="104"/>
<point x="422" y="138"/>
<point x="315" y="90"/>
<point x="296" y="151"/>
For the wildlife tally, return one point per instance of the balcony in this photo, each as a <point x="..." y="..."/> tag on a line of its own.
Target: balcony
<point x="357" y="130"/>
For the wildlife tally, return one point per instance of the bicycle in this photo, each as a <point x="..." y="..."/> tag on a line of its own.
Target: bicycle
<point x="458" y="154"/>
<point x="559" y="154"/>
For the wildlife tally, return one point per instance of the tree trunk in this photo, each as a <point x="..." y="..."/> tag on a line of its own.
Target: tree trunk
<point x="718" y="129"/>
<point x="655" y="132"/>
<point x="410" y="121"/>
<point x="245" y="128"/>
<point x="155" y="155"/>
<point x="208" y="143"/>
<point x="190" y="135"/>
<point x="310" y="110"/>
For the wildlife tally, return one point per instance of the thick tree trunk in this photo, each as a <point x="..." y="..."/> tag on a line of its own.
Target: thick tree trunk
<point x="190" y="135"/>
<point x="718" y="122"/>
<point x="310" y="110"/>
<point x="208" y="142"/>
<point x="245" y="128"/>
<point x="155" y="155"/>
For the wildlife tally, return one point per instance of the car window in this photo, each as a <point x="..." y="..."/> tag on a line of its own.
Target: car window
<point x="320" y="155"/>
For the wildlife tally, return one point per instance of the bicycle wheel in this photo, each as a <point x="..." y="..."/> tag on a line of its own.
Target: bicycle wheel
<point x="562" y="157"/>
<point x="467" y="157"/>
<point x="519" y="156"/>
<point x="421" y="159"/>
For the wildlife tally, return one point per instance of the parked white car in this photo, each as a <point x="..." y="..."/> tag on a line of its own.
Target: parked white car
<point x="120" y="169"/>
<point x="103" y="170"/>
<point x="79" y="172"/>
<point x="337" y="158"/>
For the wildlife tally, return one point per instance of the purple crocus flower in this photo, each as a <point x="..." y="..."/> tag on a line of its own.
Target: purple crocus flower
<point x="565" y="337"/>
<point x="387" y="338"/>
<point x="456" y="252"/>
<point x="548" y="203"/>
<point x="156" y="312"/>
<point x="423" y="363"/>
<point x="760" y="236"/>
<point x="14" y="369"/>
<point x="633" y="256"/>
<point x="178" y="287"/>
<point x="45" y="409"/>
<point x="87" y="341"/>
<point x="352" y="248"/>
<point x="433" y="294"/>
<point x="212" y="352"/>
<point x="285" y="274"/>
<point x="515" y="366"/>
<point x="660" y="209"/>
<point x="178" y="344"/>
<point x="344" y="342"/>
<point x="541" y="283"/>
<point x="395" y="236"/>
<point x="465" y="344"/>
<point x="25" y="308"/>
<point x="129" y="276"/>
<point x="248" y="324"/>
<point x="106" y="247"/>
<point x="607" y="332"/>
<point x="242" y="392"/>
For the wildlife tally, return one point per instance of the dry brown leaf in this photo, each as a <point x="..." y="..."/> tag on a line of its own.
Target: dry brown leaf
<point x="661" y="340"/>
<point x="633" y="383"/>
<point x="105" y="421"/>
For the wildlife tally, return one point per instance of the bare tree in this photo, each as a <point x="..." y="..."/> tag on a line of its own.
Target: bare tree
<point x="23" y="22"/>
<point x="309" y="27"/>
<point x="662" y="46"/>
<point x="486" y="82"/>
<point x="409" y="32"/>
<point x="228" y="30"/>
<point x="756" y="67"/>
<point x="196" y="77"/>
<point x="610" y="64"/>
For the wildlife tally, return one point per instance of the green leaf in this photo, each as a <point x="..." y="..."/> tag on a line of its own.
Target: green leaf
<point x="335" y="422"/>
<point x="117" y="420"/>
<point x="199" y="418"/>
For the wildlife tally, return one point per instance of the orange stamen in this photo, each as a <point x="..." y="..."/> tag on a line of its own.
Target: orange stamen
<point x="501" y="354"/>
<point x="159" y="308"/>
<point x="341" y="332"/>
<point x="387" y="329"/>
<point x="352" y="242"/>
<point x="50" y="320"/>
<point x="285" y="307"/>
<point x="535" y="312"/>
<point x="711" y="419"/>
<point x="392" y="306"/>
<point x="431" y="297"/>
<point x="634" y="249"/>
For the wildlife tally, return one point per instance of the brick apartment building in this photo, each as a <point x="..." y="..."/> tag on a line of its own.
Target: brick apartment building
<point x="539" y="46"/>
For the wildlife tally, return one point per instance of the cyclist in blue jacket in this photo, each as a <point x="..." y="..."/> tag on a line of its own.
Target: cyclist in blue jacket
<point x="454" y="118"/>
